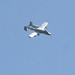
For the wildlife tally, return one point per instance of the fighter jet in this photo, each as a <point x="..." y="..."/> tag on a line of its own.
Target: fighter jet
<point x="37" y="30"/>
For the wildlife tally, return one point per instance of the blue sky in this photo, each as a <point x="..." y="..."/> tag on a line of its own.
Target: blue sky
<point x="43" y="55"/>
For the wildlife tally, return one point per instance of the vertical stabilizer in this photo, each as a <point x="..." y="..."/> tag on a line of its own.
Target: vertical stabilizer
<point x="31" y="23"/>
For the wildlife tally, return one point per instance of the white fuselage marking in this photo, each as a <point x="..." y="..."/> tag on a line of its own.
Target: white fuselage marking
<point x="39" y="30"/>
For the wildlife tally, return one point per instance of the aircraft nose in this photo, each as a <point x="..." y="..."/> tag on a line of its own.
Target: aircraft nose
<point x="50" y="34"/>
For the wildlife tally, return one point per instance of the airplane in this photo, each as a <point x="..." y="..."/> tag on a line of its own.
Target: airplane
<point x="37" y="30"/>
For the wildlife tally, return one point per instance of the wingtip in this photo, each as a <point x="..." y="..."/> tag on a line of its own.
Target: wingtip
<point x="29" y="36"/>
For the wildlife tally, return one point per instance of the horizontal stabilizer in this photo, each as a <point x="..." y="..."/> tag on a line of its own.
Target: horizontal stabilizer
<point x="25" y="28"/>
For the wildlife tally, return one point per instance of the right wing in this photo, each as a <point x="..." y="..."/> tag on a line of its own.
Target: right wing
<point x="34" y="34"/>
<point x="44" y="25"/>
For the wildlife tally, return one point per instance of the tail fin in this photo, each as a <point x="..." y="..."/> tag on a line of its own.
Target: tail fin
<point x="30" y="23"/>
<point x="25" y="28"/>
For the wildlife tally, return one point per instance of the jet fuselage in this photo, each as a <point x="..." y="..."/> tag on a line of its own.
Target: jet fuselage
<point x="39" y="30"/>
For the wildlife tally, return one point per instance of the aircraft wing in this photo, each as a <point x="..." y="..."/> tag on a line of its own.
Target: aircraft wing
<point x="44" y="25"/>
<point x="34" y="34"/>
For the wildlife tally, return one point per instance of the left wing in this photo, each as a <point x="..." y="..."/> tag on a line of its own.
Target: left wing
<point x="34" y="34"/>
<point x="44" y="25"/>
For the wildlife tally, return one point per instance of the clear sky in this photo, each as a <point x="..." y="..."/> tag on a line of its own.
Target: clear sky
<point x="43" y="55"/>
